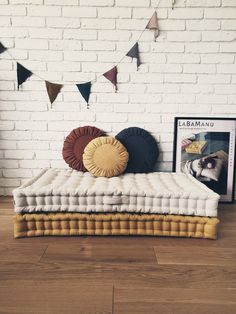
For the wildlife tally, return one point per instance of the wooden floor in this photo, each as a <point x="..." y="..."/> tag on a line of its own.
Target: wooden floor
<point x="120" y="275"/>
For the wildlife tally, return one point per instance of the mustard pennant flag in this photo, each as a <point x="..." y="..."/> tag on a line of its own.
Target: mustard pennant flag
<point x="153" y="25"/>
<point x="53" y="90"/>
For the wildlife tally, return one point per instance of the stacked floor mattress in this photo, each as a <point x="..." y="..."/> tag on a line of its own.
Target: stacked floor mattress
<point x="68" y="202"/>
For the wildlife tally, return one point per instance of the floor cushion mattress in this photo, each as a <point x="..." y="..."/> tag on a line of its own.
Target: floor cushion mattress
<point x="72" y="224"/>
<point x="68" y="190"/>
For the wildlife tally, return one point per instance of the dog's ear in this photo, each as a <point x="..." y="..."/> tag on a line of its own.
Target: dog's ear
<point x="208" y="162"/>
<point x="204" y="162"/>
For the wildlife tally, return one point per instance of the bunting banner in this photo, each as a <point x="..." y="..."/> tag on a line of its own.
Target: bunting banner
<point x="85" y="89"/>
<point x="53" y="90"/>
<point x="134" y="53"/>
<point x="22" y="74"/>
<point x="2" y="48"/>
<point x="153" y="25"/>
<point x="111" y="75"/>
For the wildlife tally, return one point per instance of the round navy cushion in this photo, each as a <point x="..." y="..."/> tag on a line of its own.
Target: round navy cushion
<point x="142" y="148"/>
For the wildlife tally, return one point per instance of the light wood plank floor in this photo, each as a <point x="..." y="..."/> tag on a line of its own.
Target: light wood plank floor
<point x="120" y="275"/>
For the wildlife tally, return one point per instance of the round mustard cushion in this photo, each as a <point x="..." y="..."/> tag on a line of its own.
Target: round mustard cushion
<point x="105" y="157"/>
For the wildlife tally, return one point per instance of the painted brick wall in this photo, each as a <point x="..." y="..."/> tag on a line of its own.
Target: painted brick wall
<point x="189" y="71"/>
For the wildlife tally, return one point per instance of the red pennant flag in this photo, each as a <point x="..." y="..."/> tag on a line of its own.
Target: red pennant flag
<point x="53" y="90"/>
<point x="111" y="75"/>
<point x="153" y="25"/>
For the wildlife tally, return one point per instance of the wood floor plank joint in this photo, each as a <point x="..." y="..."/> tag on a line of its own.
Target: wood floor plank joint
<point x="41" y="257"/>
<point x="113" y="299"/>
<point x="155" y="254"/>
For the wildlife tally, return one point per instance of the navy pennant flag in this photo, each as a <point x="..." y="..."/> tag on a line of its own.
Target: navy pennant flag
<point x="134" y="53"/>
<point x="85" y="90"/>
<point x="2" y="48"/>
<point x="22" y="74"/>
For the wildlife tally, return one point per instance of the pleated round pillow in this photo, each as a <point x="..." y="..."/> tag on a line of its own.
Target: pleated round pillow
<point x="142" y="148"/>
<point x="105" y="157"/>
<point x="75" y="143"/>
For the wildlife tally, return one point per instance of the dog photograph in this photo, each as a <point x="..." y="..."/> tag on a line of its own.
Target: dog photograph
<point x="205" y="156"/>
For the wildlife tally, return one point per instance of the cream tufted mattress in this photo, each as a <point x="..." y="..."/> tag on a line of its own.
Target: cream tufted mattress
<point x="66" y="190"/>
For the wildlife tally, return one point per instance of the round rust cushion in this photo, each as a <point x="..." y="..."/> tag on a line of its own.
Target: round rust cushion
<point x="75" y="143"/>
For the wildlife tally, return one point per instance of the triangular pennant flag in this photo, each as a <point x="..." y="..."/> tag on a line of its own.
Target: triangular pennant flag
<point x="2" y="48"/>
<point x="53" y="90"/>
<point x="153" y="25"/>
<point x="85" y="89"/>
<point x="22" y="74"/>
<point x="173" y="4"/>
<point x="111" y="75"/>
<point x="134" y="53"/>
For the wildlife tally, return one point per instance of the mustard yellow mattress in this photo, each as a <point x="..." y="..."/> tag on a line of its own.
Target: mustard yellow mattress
<point x="73" y="224"/>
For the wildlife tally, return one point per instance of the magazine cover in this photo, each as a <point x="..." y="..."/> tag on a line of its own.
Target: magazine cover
<point x="205" y="149"/>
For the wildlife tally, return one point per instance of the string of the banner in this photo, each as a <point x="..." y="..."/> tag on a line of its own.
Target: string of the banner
<point x="141" y="34"/>
<point x="100" y="75"/>
<point x="92" y="81"/>
<point x="119" y="62"/>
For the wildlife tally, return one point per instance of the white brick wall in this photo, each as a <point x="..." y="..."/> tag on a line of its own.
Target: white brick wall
<point x="189" y="71"/>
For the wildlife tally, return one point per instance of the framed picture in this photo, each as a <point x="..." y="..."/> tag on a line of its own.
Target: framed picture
<point x="205" y="149"/>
